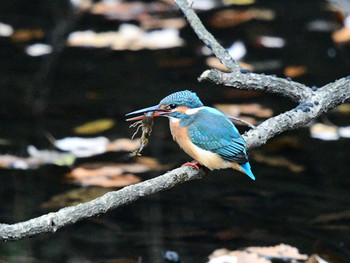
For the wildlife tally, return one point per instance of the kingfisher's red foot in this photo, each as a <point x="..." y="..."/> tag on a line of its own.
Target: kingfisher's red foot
<point x="194" y="164"/>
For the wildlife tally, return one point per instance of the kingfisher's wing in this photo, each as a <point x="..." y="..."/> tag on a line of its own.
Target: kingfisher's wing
<point x="211" y="130"/>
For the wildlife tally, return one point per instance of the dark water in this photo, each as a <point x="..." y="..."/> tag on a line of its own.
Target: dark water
<point x="52" y="94"/>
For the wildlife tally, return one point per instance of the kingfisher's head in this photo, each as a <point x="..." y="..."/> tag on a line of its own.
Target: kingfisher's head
<point x="175" y="105"/>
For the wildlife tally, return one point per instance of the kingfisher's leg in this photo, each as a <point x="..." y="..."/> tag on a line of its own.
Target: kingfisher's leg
<point x="193" y="163"/>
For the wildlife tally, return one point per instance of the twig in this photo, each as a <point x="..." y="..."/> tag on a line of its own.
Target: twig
<point x="208" y="39"/>
<point x="242" y="121"/>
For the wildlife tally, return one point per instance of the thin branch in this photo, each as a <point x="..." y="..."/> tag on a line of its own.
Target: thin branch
<point x="320" y="101"/>
<point x="206" y="37"/>
<point x="242" y="121"/>
<point x="259" y="82"/>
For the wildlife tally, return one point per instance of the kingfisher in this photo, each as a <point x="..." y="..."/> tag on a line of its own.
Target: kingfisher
<point x="204" y="133"/>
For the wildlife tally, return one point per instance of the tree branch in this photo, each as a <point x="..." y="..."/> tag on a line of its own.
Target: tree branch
<point x="312" y="104"/>
<point x="204" y="35"/>
<point x="69" y="215"/>
<point x="259" y="82"/>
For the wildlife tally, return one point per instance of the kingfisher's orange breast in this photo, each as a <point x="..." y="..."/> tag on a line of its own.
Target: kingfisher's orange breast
<point x="207" y="158"/>
<point x="180" y="135"/>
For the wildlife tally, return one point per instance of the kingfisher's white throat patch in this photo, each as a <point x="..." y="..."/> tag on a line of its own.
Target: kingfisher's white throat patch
<point x="193" y="111"/>
<point x="172" y="119"/>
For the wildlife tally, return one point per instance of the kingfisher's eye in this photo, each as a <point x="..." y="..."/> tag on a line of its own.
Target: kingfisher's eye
<point x="172" y="106"/>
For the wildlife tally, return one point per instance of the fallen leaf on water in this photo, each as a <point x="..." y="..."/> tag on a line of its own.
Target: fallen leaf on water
<point x="226" y="256"/>
<point x="277" y="161"/>
<point x="232" y="17"/>
<point x="257" y="255"/>
<point x="142" y="165"/>
<point x="83" y="147"/>
<point x="111" y="181"/>
<point x="16" y="162"/>
<point x="79" y="174"/>
<point x="36" y="159"/>
<point x="152" y="163"/>
<point x="154" y="23"/>
<point x="271" y="41"/>
<point x="324" y="132"/>
<point x="344" y="132"/>
<point x="281" y="251"/>
<point x="127" y="145"/>
<point x="344" y="108"/>
<point x="113" y="175"/>
<point x="342" y="36"/>
<point x="5" y="30"/>
<point x="106" y="176"/>
<point x="38" y="49"/>
<point x="25" y="35"/>
<point x="86" y="147"/>
<point x="128" y="37"/>
<point x="126" y="11"/>
<point x="94" y="127"/>
<point x="294" y="71"/>
<point x="51" y="157"/>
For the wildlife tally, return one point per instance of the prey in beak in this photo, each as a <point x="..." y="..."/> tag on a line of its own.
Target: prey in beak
<point x="157" y="111"/>
<point x="145" y="122"/>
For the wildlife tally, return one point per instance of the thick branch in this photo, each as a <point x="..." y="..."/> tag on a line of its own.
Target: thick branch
<point x="66" y="216"/>
<point x="319" y="102"/>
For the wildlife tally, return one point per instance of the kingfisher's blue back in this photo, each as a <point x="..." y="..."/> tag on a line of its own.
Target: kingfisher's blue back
<point x="211" y="130"/>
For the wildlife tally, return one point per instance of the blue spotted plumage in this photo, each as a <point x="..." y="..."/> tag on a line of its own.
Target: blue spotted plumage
<point x="203" y="132"/>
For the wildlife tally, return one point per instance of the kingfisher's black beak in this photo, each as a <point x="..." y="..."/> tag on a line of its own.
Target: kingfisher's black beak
<point x="156" y="109"/>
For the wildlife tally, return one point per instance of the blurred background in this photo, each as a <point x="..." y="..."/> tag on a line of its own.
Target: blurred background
<point x="70" y="70"/>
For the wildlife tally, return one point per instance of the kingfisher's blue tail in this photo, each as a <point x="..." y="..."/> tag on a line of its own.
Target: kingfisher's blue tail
<point x="246" y="168"/>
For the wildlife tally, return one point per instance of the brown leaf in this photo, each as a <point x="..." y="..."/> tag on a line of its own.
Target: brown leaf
<point x="80" y="174"/>
<point x="152" y="163"/>
<point x="155" y="23"/>
<point x="25" y="35"/>
<point x="342" y="36"/>
<point x="230" y="18"/>
<point x="111" y="181"/>
<point x="294" y="71"/>
<point x="123" y="145"/>
<point x="226" y="256"/>
<point x="281" y="251"/>
<point x="94" y="127"/>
